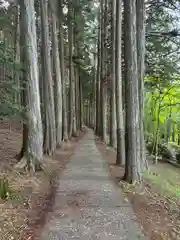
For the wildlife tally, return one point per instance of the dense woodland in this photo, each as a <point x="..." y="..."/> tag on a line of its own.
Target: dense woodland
<point x="112" y="65"/>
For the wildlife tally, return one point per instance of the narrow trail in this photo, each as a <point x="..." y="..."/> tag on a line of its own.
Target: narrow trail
<point x="88" y="204"/>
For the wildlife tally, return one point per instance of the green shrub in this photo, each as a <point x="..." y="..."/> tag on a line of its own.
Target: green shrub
<point x="5" y="190"/>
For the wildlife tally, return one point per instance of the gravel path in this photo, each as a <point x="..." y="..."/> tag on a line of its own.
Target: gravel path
<point x="88" y="205"/>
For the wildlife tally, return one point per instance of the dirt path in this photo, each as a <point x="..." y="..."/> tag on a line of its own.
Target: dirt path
<point x="88" y="204"/>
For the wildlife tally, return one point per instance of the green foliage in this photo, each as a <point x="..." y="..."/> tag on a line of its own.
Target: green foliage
<point x="162" y="55"/>
<point x="162" y="81"/>
<point x="8" y="87"/>
<point x="5" y="190"/>
<point x="165" y="180"/>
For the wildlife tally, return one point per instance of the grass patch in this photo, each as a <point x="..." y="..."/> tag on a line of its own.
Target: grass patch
<point x="6" y="192"/>
<point x="165" y="178"/>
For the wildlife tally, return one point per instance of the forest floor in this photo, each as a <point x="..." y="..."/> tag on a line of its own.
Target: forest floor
<point x="157" y="202"/>
<point x="31" y="196"/>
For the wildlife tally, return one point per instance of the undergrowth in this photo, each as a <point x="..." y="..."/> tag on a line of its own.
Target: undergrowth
<point x="6" y="192"/>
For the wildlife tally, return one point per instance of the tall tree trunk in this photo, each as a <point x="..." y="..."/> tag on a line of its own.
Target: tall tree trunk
<point x="132" y="167"/>
<point x="17" y="55"/>
<point x="178" y="139"/>
<point x="76" y="79"/>
<point x="72" y="106"/>
<point x="57" y="83"/>
<point x="33" y="153"/>
<point x="70" y="42"/>
<point x="120" y="159"/>
<point x="178" y="131"/>
<point x="173" y="132"/>
<point x="89" y="112"/>
<point x="50" y="126"/>
<point x="76" y="31"/>
<point x="94" y="92"/>
<point x="98" y="78"/>
<point x="40" y="57"/>
<point x="81" y="102"/>
<point x="103" y="88"/>
<point x="140" y="26"/>
<point x="61" y="43"/>
<point x="113" y="126"/>
<point x="23" y="78"/>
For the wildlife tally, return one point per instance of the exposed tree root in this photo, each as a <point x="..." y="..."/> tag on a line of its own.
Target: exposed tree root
<point x="75" y="134"/>
<point x="21" y="164"/>
<point x="20" y="155"/>
<point x="65" y="144"/>
<point x="30" y="165"/>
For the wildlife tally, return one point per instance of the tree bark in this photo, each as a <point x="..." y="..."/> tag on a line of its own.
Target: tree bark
<point x="173" y="132"/>
<point x="81" y="102"/>
<point x="57" y="83"/>
<point x="132" y="166"/>
<point x="103" y="89"/>
<point x="113" y="137"/>
<point x="120" y="159"/>
<point x="33" y="153"/>
<point x="98" y="78"/>
<point x="50" y="126"/>
<point x="140" y="26"/>
<point x="64" y="102"/>
<point x="94" y="92"/>
<point x="17" y="55"/>
<point x="72" y="103"/>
